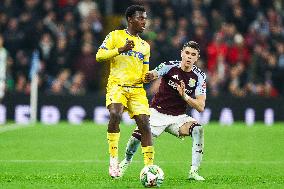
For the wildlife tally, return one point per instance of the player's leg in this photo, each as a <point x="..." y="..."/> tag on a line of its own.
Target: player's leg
<point x="142" y="122"/>
<point x="196" y="131"/>
<point x="116" y="102"/>
<point x="113" y="134"/>
<point x="132" y="145"/>
<point x="135" y="140"/>
<point x="138" y="108"/>
<point x="131" y="148"/>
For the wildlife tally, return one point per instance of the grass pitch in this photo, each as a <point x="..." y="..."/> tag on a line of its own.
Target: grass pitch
<point x="68" y="156"/>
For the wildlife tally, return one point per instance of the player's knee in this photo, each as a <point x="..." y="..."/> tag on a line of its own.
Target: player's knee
<point x="145" y="129"/>
<point x="143" y="125"/>
<point x="195" y="128"/>
<point x="115" y="116"/>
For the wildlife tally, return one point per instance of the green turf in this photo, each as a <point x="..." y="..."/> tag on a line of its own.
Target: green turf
<point x="65" y="156"/>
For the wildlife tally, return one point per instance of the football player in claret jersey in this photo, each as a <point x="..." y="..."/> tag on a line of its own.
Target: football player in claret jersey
<point x="182" y="84"/>
<point x="128" y="56"/>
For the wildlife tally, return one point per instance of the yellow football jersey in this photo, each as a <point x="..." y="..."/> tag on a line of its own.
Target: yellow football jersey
<point x="127" y="68"/>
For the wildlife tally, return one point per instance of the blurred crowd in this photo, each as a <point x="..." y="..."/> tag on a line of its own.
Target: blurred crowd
<point x="242" y="42"/>
<point x="67" y="35"/>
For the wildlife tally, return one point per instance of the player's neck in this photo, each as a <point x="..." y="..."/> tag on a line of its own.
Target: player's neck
<point x="131" y="32"/>
<point x="186" y="69"/>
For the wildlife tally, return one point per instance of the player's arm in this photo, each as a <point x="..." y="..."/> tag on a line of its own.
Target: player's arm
<point x="159" y="71"/>
<point x="198" y="102"/>
<point x="145" y="71"/>
<point x="150" y="76"/>
<point x="107" y="50"/>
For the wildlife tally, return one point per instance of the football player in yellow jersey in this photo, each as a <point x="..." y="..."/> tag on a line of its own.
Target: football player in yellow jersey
<point x="128" y="56"/>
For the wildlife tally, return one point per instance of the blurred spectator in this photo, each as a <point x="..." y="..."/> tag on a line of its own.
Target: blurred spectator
<point x="3" y="67"/>
<point x="94" y="20"/>
<point x="216" y="52"/>
<point x="216" y="20"/>
<point x="90" y="68"/>
<point x="201" y="36"/>
<point x="85" y="7"/>
<point x="21" y="83"/>
<point x="238" y="52"/>
<point x="61" y="83"/>
<point x="78" y="84"/>
<point x="278" y="77"/>
<point x="235" y="84"/>
<point x="10" y="81"/>
<point x="61" y="58"/>
<point x="238" y="18"/>
<point x="14" y="37"/>
<point x="22" y="63"/>
<point x="47" y="49"/>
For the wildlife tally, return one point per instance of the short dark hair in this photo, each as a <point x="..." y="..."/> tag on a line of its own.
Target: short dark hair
<point x="130" y="11"/>
<point x="192" y="44"/>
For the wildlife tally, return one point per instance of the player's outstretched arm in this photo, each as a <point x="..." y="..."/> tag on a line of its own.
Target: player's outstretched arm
<point x="198" y="103"/>
<point x="150" y="76"/>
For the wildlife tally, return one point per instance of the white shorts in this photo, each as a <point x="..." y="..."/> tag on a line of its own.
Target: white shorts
<point x="160" y="122"/>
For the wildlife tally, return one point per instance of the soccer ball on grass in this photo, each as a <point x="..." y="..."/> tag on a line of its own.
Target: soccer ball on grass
<point x="152" y="176"/>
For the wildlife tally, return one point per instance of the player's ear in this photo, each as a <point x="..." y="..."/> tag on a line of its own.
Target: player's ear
<point x="129" y="19"/>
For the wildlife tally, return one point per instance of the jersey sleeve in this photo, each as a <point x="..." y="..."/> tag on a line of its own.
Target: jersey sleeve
<point x="201" y="85"/>
<point x="107" y="50"/>
<point x="146" y="64"/>
<point x="164" y="68"/>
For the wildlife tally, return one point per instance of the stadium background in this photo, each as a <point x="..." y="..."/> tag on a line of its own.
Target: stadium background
<point x="242" y="54"/>
<point x="242" y="50"/>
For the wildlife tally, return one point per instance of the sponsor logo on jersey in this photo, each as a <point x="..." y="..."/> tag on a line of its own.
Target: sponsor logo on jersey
<point x="191" y="82"/>
<point x="160" y="66"/>
<point x="134" y="54"/>
<point x="175" y="77"/>
<point x="198" y="71"/>
<point x="174" y="86"/>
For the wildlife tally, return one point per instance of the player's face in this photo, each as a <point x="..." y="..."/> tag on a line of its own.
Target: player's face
<point x="139" y="21"/>
<point x="189" y="56"/>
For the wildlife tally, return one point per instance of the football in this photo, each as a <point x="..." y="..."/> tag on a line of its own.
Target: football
<point x="152" y="176"/>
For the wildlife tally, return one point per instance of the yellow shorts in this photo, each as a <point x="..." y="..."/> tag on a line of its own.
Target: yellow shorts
<point x="133" y="99"/>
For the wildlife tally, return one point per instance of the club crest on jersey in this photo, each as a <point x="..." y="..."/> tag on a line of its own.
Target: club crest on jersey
<point x="175" y="77"/>
<point x="191" y="82"/>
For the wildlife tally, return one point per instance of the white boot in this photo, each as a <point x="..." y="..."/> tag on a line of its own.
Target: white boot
<point x="195" y="176"/>
<point x="123" y="166"/>
<point x="113" y="167"/>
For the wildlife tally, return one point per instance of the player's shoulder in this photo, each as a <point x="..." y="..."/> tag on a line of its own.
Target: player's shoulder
<point x="168" y="65"/>
<point x="174" y="63"/>
<point x="145" y="43"/>
<point x="116" y="32"/>
<point x="198" y="72"/>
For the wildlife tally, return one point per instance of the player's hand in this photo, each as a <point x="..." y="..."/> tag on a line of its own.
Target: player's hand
<point x="149" y="76"/>
<point x="181" y="88"/>
<point x="129" y="45"/>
